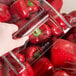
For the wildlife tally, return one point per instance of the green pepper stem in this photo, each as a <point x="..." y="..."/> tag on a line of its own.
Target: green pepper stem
<point x="37" y="32"/>
<point x="36" y="54"/>
<point x="30" y="3"/>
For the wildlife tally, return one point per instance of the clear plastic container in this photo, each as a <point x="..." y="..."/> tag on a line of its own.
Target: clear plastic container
<point x="48" y="18"/>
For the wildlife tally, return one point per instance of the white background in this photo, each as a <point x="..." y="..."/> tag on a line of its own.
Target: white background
<point x="68" y="6"/>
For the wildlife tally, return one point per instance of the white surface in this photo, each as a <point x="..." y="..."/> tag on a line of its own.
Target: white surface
<point x="68" y="6"/>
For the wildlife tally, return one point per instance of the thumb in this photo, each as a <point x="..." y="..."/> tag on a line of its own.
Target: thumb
<point x="21" y="41"/>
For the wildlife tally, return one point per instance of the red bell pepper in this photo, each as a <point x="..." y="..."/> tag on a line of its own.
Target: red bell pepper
<point x="4" y="13"/>
<point x="57" y="4"/>
<point x="73" y="13"/>
<point x="43" y="67"/>
<point x="71" y="18"/>
<point x="32" y="53"/>
<point x="56" y="30"/>
<point x="71" y="35"/>
<point x="21" y="22"/>
<point x="60" y="73"/>
<point x="61" y="22"/>
<point x="20" y="57"/>
<point x="31" y="6"/>
<point x="19" y="8"/>
<point x="63" y="52"/>
<point x="14" y="12"/>
<point x="6" y="1"/>
<point x="10" y="72"/>
<point x="41" y="34"/>
<point x="28" y="70"/>
<point x="1" y="69"/>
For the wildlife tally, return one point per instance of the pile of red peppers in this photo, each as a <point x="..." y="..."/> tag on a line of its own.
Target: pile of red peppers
<point x="60" y="59"/>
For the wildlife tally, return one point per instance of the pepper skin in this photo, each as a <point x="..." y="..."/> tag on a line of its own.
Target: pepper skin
<point x="28" y="70"/>
<point x="57" y="4"/>
<point x="31" y="6"/>
<point x="56" y="30"/>
<point x="62" y="52"/>
<point x="71" y="18"/>
<point x="41" y="34"/>
<point x="1" y="69"/>
<point x="21" y="23"/>
<point x="71" y="35"/>
<point x="10" y="72"/>
<point x="20" y="57"/>
<point x="4" y="13"/>
<point x="60" y="73"/>
<point x="19" y="7"/>
<point x="32" y="53"/>
<point x="43" y="67"/>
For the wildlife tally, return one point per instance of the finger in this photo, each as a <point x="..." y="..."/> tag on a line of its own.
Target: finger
<point x="13" y="28"/>
<point x="10" y="27"/>
<point x="21" y="41"/>
<point x="3" y="53"/>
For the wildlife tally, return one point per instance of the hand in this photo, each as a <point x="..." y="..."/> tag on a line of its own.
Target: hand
<point x="7" y="43"/>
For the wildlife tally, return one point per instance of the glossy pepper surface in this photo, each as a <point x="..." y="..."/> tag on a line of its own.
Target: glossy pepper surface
<point x="31" y="6"/>
<point x="32" y="53"/>
<point x="4" y="13"/>
<point x="62" y="52"/>
<point x="43" y="67"/>
<point x="57" y="4"/>
<point x="19" y="8"/>
<point x="41" y="34"/>
<point x="28" y="70"/>
<point x="60" y="73"/>
<point x="21" y="23"/>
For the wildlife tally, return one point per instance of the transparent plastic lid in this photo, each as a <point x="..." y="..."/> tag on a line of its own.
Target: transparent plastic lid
<point x="42" y="29"/>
